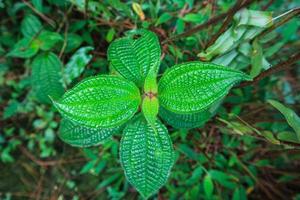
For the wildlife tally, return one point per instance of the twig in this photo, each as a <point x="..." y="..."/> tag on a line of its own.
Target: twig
<point x="277" y="68"/>
<point x="211" y="21"/>
<point x="44" y="17"/>
<point x="45" y="164"/>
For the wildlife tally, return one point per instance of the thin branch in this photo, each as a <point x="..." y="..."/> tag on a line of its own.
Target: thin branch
<point x="227" y="21"/>
<point x="277" y="68"/>
<point x="44" y="17"/>
<point x="210" y="22"/>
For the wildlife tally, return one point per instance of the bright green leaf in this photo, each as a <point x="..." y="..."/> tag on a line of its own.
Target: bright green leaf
<point x="100" y="101"/>
<point x="193" y="87"/>
<point x="46" y="77"/>
<point x="146" y="156"/>
<point x="163" y="18"/>
<point x="208" y="186"/>
<point x="135" y="55"/>
<point x="81" y="136"/>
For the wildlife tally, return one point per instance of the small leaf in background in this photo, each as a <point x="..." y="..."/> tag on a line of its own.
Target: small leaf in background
<point x="11" y="109"/>
<point x="292" y="118"/>
<point x="47" y="40"/>
<point x="208" y="186"/>
<point x="288" y="136"/>
<point x="73" y="42"/>
<point x="30" y="26"/>
<point x="195" y="18"/>
<point x="110" y="35"/>
<point x="180" y="26"/>
<point x="146" y="155"/>
<point x="239" y="194"/>
<point x="138" y="10"/>
<point x="38" y="4"/>
<point x="77" y="63"/>
<point x="25" y="48"/>
<point x="256" y="59"/>
<point x="163" y="19"/>
<point x="81" y="136"/>
<point x="101" y="101"/>
<point x="46" y="77"/>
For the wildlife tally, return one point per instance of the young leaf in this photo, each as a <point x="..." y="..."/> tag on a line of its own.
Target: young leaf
<point x="146" y="156"/>
<point x="101" y="101"/>
<point x="256" y="59"/>
<point x="150" y="102"/>
<point x="135" y="55"/>
<point x="46" y="77"/>
<point x="77" y="63"/>
<point x="292" y="118"/>
<point x="193" y="87"/>
<point x="82" y="136"/>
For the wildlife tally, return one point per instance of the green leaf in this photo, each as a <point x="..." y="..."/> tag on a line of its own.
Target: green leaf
<point x="135" y="55"/>
<point x="192" y="87"/>
<point x="73" y="42"/>
<point x="184" y="120"/>
<point x="46" y="77"/>
<point x="48" y="40"/>
<point x="208" y="186"/>
<point x="163" y="18"/>
<point x="150" y="107"/>
<point x="77" y="63"/>
<point x="239" y="194"/>
<point x="82" y="136"/>
<point x="256" y="59"/>
<point x="292" y="118"/>
<point x="25" y="48"/>
<point x="30" y="26"/>
<point x="146" y="156"/>
<point x="100" y="101"/>
<point x="288" y="137"/>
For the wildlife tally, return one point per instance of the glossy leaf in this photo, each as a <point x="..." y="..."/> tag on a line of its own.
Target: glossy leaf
<point x="134" y="55"/>
<point x="146" y="156"/>
<point x="46" y="77"/>
<point x="76" y="64"/>
<point x="100" y="101"/>
<point x="292" y="118"/>
<point x="193" y="87"/>
<point x="82" y="136"/>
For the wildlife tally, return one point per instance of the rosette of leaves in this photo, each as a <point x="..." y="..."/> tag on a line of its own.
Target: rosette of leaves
<point x="99" y="106"/>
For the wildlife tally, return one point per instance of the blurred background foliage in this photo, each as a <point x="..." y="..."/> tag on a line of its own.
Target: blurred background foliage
<point x="248" y="150"/>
